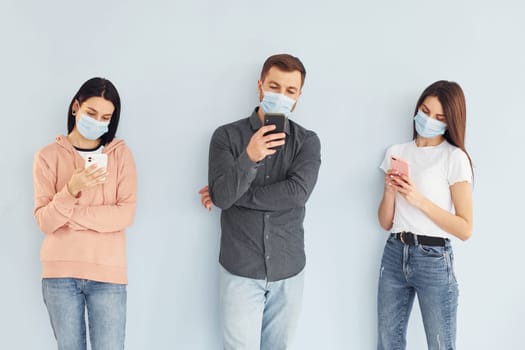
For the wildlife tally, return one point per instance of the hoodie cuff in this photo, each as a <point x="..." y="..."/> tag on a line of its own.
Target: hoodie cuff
<point x="65" y="200"/>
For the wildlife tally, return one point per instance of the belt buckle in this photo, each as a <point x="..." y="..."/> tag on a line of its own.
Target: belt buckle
<point x="401" y="234"/>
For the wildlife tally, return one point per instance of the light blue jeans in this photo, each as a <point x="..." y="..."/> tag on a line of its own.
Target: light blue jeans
<point x="428" y="272"/>
<point x="257" y="314"/>
<point x="67" y="299"/>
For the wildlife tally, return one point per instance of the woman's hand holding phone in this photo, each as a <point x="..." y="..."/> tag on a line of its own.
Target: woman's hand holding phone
<point x="407" y="188"/>
<point x="398" y="168"/>
<point x="84" y="178"/>
<point x="398" y="180"/>
<point x="390" y="184"/>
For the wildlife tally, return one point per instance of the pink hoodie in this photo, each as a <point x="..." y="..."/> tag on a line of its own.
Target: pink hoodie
<point x="84" y="236"/>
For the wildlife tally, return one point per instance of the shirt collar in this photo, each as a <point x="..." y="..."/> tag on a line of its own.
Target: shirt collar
<point x="256" y="124"/>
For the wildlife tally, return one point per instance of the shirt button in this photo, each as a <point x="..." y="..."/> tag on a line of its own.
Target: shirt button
<point x="267" y="257"/>
<point x="267" y="236"/>
<point x="267" y="176"/>
<point x="267" y="216"/>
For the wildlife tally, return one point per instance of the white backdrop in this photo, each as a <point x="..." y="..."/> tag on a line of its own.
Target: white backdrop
<point x="185" y="67"/>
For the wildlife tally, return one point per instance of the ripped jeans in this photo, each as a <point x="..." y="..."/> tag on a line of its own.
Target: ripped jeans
<point x="407" y="270"/>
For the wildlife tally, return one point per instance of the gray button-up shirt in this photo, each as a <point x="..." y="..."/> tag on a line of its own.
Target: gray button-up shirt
<point x="262" y="203"/>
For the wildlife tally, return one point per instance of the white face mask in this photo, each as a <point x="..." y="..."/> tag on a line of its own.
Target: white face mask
<point x="428" y="127"/>
<point x="277" y="103"/>
<point x="90" y="128"/>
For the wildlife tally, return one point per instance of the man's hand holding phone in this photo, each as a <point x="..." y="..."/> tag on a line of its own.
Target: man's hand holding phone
<point x="260" y="145"/>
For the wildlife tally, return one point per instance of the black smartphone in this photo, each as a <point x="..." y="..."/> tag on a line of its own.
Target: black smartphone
<point x="277" y="119"/>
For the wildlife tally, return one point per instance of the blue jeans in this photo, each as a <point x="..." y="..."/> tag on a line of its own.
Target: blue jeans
<point x="257" y="314"/>
<point x="67" y="298"/>
<point x="428" y="272"/>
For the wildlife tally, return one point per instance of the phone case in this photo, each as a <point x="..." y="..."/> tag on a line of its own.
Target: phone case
<point x="101" y="160"/>
<point x="399" y="165"/>
<point x="277" y="119"/>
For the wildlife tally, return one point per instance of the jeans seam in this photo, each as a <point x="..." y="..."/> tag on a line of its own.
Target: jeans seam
<point x="452" y="290"/>
<point x="448" y="328"/>
<point x="406" y="257"/>
<point x="44" y="288"/>
<point x="450" y="270"/>
<point x="403" y="318"/>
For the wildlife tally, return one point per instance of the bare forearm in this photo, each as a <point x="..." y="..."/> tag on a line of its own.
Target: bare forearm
<point x="386" y="210"/>
<point x="456" y="225"/>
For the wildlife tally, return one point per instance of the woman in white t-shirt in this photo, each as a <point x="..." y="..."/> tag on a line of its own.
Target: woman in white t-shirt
<point x="425" y="207"/>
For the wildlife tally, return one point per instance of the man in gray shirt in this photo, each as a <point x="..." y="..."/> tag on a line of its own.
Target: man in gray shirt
<point x="261" y="181"/>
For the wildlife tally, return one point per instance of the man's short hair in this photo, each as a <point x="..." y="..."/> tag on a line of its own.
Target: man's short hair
<point x="284" y="62"/>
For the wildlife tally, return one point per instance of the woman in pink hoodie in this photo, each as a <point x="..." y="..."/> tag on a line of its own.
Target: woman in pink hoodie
<point x="83" y="212"/>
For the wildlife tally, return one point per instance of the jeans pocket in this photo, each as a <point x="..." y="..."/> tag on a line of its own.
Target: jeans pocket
<point x="431" y="251"/>
<point x="450" y="267"/>
<point x="391" y="238"/>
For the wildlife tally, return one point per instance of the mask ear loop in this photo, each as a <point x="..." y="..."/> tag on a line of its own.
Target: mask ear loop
<point x="261" y="91"/>
<point x="293" y="107"/>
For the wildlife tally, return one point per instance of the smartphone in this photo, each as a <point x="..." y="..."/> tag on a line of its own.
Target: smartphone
<point x="100" y="159"/>
<point x="399" y="165"/>
<point x="277" y="119"/>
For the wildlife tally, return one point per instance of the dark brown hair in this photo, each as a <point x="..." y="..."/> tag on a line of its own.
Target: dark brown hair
<point x="452" y="99"/>
<point x="284" y="62"/>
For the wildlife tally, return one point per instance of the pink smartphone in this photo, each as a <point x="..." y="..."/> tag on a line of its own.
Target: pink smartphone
<point x="399" y="165"/>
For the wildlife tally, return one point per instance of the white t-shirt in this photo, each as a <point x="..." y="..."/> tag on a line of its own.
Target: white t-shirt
<point x="433" y="169"/>
<point x="85" y="153"/>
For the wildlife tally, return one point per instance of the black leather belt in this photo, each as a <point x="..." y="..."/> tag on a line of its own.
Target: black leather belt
<point x="411" y="239"/>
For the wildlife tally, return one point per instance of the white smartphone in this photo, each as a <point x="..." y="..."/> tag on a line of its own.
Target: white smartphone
<point x="100" y="159"/>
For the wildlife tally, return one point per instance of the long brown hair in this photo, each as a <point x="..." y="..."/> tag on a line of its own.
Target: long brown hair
<point x="452" y="99"/>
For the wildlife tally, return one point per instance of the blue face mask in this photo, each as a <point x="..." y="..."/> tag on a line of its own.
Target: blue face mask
<point x="90" y="128"/>
<point x="277" y="103"/>
<point x="428" y="127"/>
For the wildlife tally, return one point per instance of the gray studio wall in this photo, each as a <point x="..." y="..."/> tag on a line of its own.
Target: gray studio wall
<point x="185" y="67"/>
